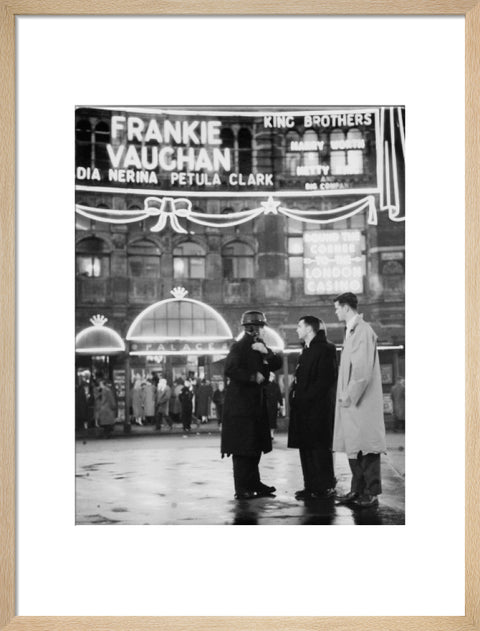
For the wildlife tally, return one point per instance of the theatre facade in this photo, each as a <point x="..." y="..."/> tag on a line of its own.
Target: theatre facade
<point x="185" y="218"/>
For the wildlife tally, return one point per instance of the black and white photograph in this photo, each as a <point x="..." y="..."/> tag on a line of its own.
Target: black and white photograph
<point x="240" y="315"/>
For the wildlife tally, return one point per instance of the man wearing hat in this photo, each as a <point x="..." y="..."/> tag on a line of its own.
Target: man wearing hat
<point x="246" y="427"/>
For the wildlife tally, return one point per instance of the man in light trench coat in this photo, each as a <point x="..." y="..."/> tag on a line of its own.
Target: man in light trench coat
<point x="359" y="424"/>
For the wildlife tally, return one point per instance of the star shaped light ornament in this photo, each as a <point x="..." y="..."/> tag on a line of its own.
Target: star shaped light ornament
<point x="270" y="207"/>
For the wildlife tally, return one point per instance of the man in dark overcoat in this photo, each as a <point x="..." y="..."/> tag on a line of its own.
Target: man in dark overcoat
<point x="84" y="402"/>
<point x="245" y="426"/>
<point x="312" y="409"/>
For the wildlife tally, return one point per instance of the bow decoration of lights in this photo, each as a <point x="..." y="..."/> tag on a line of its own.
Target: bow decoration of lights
<point x="169" y="210"/>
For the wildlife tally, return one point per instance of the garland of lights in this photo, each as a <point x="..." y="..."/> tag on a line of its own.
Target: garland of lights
<point x="169" y="210"/>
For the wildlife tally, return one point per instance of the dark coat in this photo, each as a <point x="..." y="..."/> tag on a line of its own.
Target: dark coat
<point x="108" y="409"/>
<point x="83" y="406"/>
<point x="274" y="399"/>
<point x="245" y="427"/>
<point x="186" y="402"/>
<point x="312" y="396"/>
<point x="203" y="398"/>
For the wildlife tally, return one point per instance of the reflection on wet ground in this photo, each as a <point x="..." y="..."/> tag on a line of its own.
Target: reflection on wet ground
<point x="167" y="480"/>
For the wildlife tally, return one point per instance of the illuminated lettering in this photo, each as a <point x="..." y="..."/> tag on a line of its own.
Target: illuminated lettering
<point x="347" y="144"/>
<point x="169" y="158"/>
<point x="132" y="159"/>
<point x="314" y="145"/>
<point x="165" y="131"/>
<point x="313" y="169"/>
<point x="115" y="156"/>
<point x="278" y="121"/>
<point x="153" y="132"/>
<point x="135" y="127"/>
<point x="132" y="175"/>
<point x="253" y="179"/>
<point x="333" y="261"/>
<point x="164" y="155"/>
<point x="172" y="131"/>
<point x="117" y="125"/>
<point x="195" y="179"/>
<point x="337" y="119"/>
<point x="87" y="173"/>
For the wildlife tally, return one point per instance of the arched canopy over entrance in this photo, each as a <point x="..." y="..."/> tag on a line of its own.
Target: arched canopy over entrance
<point x="178" y="325"/>
<point x="271" y="338"/>
<point x="99" y="339"/>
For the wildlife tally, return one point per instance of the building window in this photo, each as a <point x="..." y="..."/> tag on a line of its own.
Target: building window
<point x="238" y="261"/>
<point x="295" y="257"/>
<point x="393" y="273"/>
<point x="83" y="144"/>
<point x="355" y="146"/>
<point x="292" y="155"/>
<point x="92" y="258"/>
<point x="311" y="158"/>
<point x="143" y="259"/>
<point x="338" y="155"/>
<point x="244" y="151"/>
<point x="188" y="260"/>
<point x="102" y="138"/>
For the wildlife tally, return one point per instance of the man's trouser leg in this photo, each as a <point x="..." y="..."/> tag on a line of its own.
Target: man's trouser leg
<point x="246" y="476"/>
<point x="317" y="468"/>
<point x="366" y="478"/>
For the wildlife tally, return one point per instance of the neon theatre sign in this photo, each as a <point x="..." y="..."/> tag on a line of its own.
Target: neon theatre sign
<point x="171" y="157"/>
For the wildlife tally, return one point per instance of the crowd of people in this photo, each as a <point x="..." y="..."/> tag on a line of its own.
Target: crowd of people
<point x="153" y="402"/>
<point x="187" y="401"/>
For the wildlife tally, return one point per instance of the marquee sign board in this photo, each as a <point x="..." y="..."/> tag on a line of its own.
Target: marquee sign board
<point x="333" y="262"/>
<point x="179" y="348"/>
<point x="174" y="152"/>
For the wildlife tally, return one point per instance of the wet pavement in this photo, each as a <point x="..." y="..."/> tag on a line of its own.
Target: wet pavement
<point x="151" y="478"/>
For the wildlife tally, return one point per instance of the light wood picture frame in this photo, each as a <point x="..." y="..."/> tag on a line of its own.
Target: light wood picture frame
<point x="470" y="9"/>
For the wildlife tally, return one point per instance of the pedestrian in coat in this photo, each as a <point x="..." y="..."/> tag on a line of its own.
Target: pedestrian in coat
<point x="398" y="404"/>
<point x="149" y="393"/>
<point x="312" y="409"/>
<point x="245" y="426"/>
<point x="175" y="406"/>
<point x="219" y="401"/>
<point x="162" y="401"/>
<point x="97" y="398"/>
<point x="359" y="423"/>
<point x="84" y="402"/>
<point x="107" y="408"/>
<point x="203" y="399"/>
<point x="274" y="401"/>
<point x="186" y="403"/>
<point x="137" y="400"/>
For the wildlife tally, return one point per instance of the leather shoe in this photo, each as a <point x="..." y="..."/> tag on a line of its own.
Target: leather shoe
<point x="300" y="495"/>
<point x="365" y="501"/>
<point x="263" y="488"/>
<point x="245" y="495"/>
<point x="314" y="495"/>
<point x="348" y="498"/>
